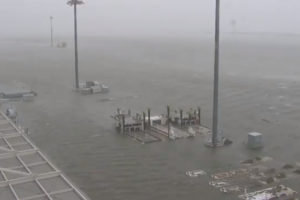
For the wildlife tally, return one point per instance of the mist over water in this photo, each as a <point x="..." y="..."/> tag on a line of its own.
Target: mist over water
<point x="260" y="91"/>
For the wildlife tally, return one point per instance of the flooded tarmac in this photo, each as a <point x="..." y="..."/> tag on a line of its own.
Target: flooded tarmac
<point x="260" y="92"/>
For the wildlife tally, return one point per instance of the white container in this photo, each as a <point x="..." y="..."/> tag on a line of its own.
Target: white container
<point x="255" y="140"/>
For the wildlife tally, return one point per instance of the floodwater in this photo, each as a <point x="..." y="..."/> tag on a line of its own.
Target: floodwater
<point x="260" y="91"/>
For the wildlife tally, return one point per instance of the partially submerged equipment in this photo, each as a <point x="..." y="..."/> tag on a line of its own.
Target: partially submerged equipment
<point x="92" y="87"/>
<point x="170" y="126"/>
<point x="16" y="93"/>
<point x="255" y="140"/>
<point x="26" y="173"/>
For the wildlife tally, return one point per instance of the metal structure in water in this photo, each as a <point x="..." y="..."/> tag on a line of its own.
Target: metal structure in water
<point x="26" y="173"/>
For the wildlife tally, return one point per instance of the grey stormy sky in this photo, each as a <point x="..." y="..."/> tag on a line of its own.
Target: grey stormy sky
<point x="167" y="18"/>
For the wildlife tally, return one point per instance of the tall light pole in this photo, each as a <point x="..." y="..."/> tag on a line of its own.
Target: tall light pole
<point x="215" y="130"/>
<point x="75" y="3"/>
<point x="51" y="30"/>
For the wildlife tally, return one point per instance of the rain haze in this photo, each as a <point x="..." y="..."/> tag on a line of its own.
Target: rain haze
<point x="168" y="18"/>
<point x="134" y="112"/>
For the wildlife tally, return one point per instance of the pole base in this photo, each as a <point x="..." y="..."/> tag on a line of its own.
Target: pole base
<point x="221" y="143"/>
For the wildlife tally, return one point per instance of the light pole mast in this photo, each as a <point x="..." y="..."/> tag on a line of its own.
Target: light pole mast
<point x="75" y="3"/>
<point x="215" y="130"/>
<point x="51" y="29"/>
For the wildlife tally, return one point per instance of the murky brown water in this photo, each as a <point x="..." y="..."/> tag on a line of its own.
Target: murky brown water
<point x="260" y="92"/>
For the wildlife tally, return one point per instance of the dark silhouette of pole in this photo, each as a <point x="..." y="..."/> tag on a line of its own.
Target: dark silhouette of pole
<point x="215" y="130"/>
<point x="144" y="121"/>
<point x="75" y="3"/>
<point x="149" y="118"/>
<point x="168" y="120"/>
<point x="51" y="29"/>
<point x="199" y="115"/>
<point x="122" y="123"/>
<point x="181" y="117"/>
<point x="76" y="48"/>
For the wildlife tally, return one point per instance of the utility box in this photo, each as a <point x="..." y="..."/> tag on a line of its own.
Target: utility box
<point x="255" y="140"/>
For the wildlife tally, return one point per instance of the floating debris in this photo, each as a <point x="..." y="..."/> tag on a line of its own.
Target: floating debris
<point x="196" y="173"/>
<point x="231" y="189"/>
<point x="218" y="184"/>
<point x="273" y="193"/>
<point x="280" y="175"/>
<point x="257" y="160"/>
<point x="248" y="161"/>
<point x="232" y="173"/>
<point x="225" y="187"/>
<point x="254" y="177"/>
<point x="297" y="171"/>
<point x="270" y="180"/>
<point x="270" y="171"/>
<point x="288" y="166"/>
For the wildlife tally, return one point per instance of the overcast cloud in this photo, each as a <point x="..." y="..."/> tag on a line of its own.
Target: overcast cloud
<point x="171" y="18"/>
